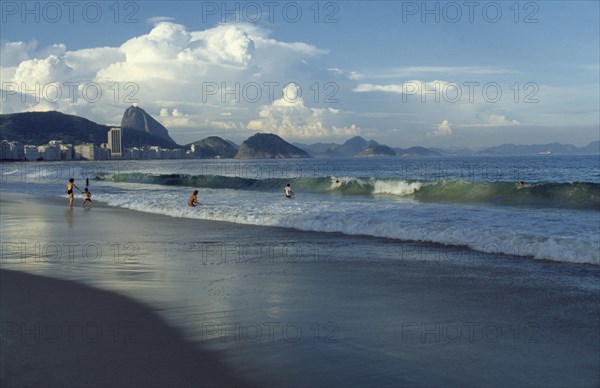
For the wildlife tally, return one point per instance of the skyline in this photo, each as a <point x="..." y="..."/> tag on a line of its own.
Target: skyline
<point x="482" y="74"/>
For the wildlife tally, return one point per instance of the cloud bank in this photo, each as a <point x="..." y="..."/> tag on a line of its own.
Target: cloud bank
<point x="227" y="78"/>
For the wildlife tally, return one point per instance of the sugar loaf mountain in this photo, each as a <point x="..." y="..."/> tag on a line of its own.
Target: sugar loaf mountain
<point x="58" y="136"/>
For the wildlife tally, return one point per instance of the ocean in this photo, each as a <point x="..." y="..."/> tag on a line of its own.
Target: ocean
<point x="473" y="202"/>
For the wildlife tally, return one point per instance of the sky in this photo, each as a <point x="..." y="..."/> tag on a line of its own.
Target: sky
<point x="404" y="73"/>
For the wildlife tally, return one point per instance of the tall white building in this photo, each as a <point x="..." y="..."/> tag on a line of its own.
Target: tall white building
<point x="114" y="143"/>
<point x="88" y="151"/>
<point x="31" y="152"/>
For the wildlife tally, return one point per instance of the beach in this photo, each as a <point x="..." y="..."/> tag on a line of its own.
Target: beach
<point x="58" y="333"/>
<point x="266" y="306"/>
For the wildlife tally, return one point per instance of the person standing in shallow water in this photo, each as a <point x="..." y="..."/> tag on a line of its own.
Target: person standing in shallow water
<point x="88" y="198"/>
<point x="69" y="190"/>
<point x="193" y="201"/>
<point x="288" y="192"/>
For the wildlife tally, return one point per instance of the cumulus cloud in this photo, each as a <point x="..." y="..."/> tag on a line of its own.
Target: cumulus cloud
<point x="41" y="72"/>
<point x="289" y="117"/>
<point x="500" y="120"/>
<point x="175" y="118"/>
<point x="165" y="70"/>
<point x="443" y="129"/>
<point x="13" y="53"/>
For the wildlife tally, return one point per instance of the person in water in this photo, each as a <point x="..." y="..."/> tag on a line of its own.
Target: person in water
<point x="287" y="190"/>
<point x="88" y="197"/>
<point x="69" y="190"/>
<point x="193" y="201"/>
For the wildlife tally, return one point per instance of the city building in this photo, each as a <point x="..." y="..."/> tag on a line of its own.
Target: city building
<point x="31" y="153"/>
<point x="114" y="143"/>
<point x="50" y="152"/>
<point x="88" y="151"/>
<point x="5" y="153"/>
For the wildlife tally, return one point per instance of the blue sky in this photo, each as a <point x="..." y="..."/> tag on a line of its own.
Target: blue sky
<point x="452" y="74"/>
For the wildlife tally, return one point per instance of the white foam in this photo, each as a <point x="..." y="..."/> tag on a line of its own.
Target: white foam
<point x="490" y="230"/>
<point x="394" y="187"/>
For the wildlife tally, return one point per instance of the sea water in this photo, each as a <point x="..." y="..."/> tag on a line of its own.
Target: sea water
<point x="540" y="207"/>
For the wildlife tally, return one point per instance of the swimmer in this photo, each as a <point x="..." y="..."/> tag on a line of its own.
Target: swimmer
<point x="193" y="201"/>
<point x="287" y="191"/>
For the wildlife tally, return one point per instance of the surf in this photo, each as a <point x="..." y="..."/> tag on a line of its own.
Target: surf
<point x="575" y="195"/>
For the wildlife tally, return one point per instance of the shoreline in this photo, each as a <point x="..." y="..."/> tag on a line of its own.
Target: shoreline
<point x="204" y="223"/>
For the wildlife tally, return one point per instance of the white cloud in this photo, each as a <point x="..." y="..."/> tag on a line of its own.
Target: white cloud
<point x="165" y="69"/>
<point x="411" y="71"/>
<point x="13" y="53"/>
<point x="87" y="62"/>
<point x="223" y="44"/>
<point x="289" y="117"/>
<point x="356" y="76"/>
<point x="413" y="87"/>
<point x="500" y="120"/>
<point x="158" y="19"/>
<point x="175" y="119"/>
<point x="443" y="129"/>
<point x="34" y="72"/>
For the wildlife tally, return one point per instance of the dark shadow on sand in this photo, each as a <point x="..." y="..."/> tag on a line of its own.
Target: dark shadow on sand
<point x="57" y="333"/>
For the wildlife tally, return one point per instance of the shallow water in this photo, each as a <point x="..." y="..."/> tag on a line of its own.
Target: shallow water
<point x="468" y="201"/>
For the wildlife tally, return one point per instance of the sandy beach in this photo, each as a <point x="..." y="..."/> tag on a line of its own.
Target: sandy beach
<point x="58" y="333"/>
<point x="183" y="302"/>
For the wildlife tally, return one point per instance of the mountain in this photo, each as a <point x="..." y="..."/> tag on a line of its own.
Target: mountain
<point x="38" y="128"/>
<point x="268" y="146"/>
<point x="376" y="151"/>
<point x="213" y="147"/>
<point x="591" y="149"/>
<point x="353" y="146"/>
<point x="232" y="143"/>
<point x="416" y="151"/>
<point x="534" y="149"/>
<point x="136" y="118"/>
<point x="332" y="150"/>
<point x="453" y="151"/>
<point x="318" y="149"/>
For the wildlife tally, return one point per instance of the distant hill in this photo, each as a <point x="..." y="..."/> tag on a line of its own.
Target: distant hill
<point x="136" y="118"/>
<point x="591" y="149"/>
<point x="38" y="128"/>
<point x="213" y="147"/>
<point x="317" y="149"/>
<point x="376" y="151"/>
<point x="534" y="149"/>
<point x="452" y="151"/>
<point x="353" y="146"/>
<point x="332" y="150"/>
<point x="268" y="146"/>
<point x="416" y="151"/>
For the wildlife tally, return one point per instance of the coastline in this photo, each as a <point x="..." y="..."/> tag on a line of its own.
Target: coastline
<point x="370" y="311"/>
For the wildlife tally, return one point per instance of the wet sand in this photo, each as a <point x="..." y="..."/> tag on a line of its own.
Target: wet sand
<point x="58" y="333"/>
